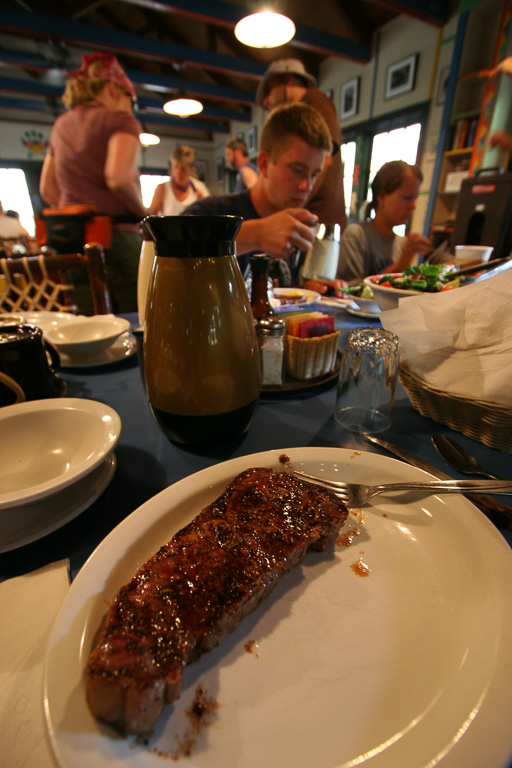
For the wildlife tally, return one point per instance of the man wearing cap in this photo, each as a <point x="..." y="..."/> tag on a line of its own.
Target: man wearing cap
<point x="92" y="160"/>
<point x="286" y="81"/>
<point x="294" y="144"/>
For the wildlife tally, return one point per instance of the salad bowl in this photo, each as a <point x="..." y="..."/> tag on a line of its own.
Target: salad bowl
<point x="389" y="288"/>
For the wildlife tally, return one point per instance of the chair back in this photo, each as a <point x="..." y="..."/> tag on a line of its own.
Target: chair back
<point x="42" y="281"/>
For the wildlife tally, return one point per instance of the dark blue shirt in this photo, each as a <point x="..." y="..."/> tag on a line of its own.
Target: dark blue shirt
<point x="234" y="204"/>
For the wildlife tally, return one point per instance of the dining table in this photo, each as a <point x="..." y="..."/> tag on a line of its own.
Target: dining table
<point x="148" y="463"/>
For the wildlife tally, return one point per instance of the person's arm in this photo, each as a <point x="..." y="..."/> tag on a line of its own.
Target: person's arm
<point x="157" y="202"/>
<point x="48" y="186"/>
<point x="120" y="172"/>
<point x="249" y="176"/>
<point x="352" y="254"/>
<point x="412" y="245"/>
<point x="277" y="234"/>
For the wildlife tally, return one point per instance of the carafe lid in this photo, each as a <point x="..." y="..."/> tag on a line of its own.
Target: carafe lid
<point x="193" y="236"/>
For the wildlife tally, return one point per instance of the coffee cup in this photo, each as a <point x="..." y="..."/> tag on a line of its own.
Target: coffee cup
<point x="28" y="360"/>
<point x="469" y="255"/>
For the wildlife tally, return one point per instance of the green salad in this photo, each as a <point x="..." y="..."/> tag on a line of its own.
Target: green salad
<point x="362" y="291"/>
<point x="429" y="278"/>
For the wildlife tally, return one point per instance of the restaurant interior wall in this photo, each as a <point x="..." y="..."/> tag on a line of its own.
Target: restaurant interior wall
<point x="399" y="38"/>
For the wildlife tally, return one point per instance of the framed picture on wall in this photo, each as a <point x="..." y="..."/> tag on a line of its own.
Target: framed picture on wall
<point x="202" y="171"/>
<point x="400" y="76"/>
<point x="349" y="98"/>
<point x="252" y="140"/>
<point x="220" y="170"/>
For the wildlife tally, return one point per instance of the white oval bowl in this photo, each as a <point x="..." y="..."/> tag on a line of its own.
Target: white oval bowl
<point x="87" y="336"/>
<point x="386" y="297"/>
<point x="49" y="444"/>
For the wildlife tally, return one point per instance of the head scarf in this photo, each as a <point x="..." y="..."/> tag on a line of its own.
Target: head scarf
<point x="108" y="68"/>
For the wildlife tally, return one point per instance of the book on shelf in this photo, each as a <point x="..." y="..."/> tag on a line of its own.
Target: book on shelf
<point x="460" y="134"/>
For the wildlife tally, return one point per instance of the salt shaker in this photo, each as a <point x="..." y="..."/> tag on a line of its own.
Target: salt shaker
<point x="271" y="332"/>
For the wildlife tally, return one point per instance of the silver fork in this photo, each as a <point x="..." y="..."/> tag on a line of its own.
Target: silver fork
<point x="357" y="495"/>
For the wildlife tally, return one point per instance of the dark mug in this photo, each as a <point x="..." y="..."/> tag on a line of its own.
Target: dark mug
<point x="28" y="360"/>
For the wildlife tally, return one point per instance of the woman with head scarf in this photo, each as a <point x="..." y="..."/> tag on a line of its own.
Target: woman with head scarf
<point x="92" y="160"/>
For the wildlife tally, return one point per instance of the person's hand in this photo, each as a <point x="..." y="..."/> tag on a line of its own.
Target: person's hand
<point x="322" y="287"/>
<point x="504" y="66"/>
<point x="501" y="139"/>
<point x="287" y="231"/>
<point x="414" y="243"/>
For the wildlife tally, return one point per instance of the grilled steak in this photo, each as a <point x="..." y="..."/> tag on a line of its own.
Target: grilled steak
<point x="198" y="587"/>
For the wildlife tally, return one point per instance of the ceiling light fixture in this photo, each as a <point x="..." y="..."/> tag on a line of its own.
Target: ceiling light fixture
<point x="265" y="30"/>
<point x="148" y="139"/>
<point x="182" y="105"/>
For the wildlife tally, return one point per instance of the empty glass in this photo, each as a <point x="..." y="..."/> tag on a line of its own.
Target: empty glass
<point x="367" y="381"/>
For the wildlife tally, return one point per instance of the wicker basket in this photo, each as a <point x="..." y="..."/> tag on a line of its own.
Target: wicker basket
<point x="308" y="358"/>
<point x="489" y="423"/>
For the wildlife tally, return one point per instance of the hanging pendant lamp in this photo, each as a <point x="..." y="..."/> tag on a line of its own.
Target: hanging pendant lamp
<point x="182" y="105"/>
<point x="265" y="30"/>
<point x="148" y="139"/>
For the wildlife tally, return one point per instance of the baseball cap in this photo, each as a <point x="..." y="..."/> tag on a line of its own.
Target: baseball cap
<point x="106" y="67"/>
<point x="282" y="67"/>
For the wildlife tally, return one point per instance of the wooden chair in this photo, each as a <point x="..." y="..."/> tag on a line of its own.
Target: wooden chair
<point x="42" y="281"/>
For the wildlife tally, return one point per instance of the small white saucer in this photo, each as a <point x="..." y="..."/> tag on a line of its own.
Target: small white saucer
<point x="125" y="346"/>
<point x="352" y="310"/>
<point x="33" y="521"/>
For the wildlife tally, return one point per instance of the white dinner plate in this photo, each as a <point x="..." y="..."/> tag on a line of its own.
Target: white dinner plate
<point x="34" y="521"/>
<point x="405" y="668"/>
<point x="123" y="347"/>
<point x="310" y="296"/>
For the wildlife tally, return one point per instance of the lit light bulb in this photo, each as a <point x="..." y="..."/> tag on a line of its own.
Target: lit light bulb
<point x="265" y="30"/>
<point x="183" y="107"/>
<point x="148" y="139"/>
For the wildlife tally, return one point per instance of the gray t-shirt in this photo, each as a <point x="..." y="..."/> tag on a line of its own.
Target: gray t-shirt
<point x="364" y="251"/>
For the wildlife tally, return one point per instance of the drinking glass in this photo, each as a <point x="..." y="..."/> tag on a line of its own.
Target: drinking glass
<point x="367" y="380"/>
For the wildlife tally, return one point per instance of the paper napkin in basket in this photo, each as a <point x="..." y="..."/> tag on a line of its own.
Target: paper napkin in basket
<point x="28" y="605"/>
<point x="460" y="340"/>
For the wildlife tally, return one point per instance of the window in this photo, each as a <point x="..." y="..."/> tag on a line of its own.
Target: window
<point x="348" y="158"/>
<point x="400" y="144"/>
<point x="148" y="184"/>
<point x="397" y="136"/>
<point x="14" y="196"/>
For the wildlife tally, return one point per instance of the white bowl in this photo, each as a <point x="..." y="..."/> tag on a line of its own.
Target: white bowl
<point x="49" y="444"/>
<point x="386" y="297"/>
<point x="366" y="305"/>
<point x="466" y="255"/>
<point x="47" y="320"/>
<point x="87" y="336"/>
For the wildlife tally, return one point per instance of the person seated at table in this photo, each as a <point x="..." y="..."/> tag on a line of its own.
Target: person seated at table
<point x="371" y="247"/>
<point x="294" y="144"/>
<point x="182" y="189"/>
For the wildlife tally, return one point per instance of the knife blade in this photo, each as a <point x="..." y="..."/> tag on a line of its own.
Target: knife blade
<point x="499" y="513"/>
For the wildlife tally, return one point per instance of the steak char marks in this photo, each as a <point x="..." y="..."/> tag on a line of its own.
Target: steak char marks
<point x="198" y="587"/>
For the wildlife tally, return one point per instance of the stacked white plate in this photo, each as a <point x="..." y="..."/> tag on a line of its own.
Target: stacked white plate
<point x="57" y="458"/>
